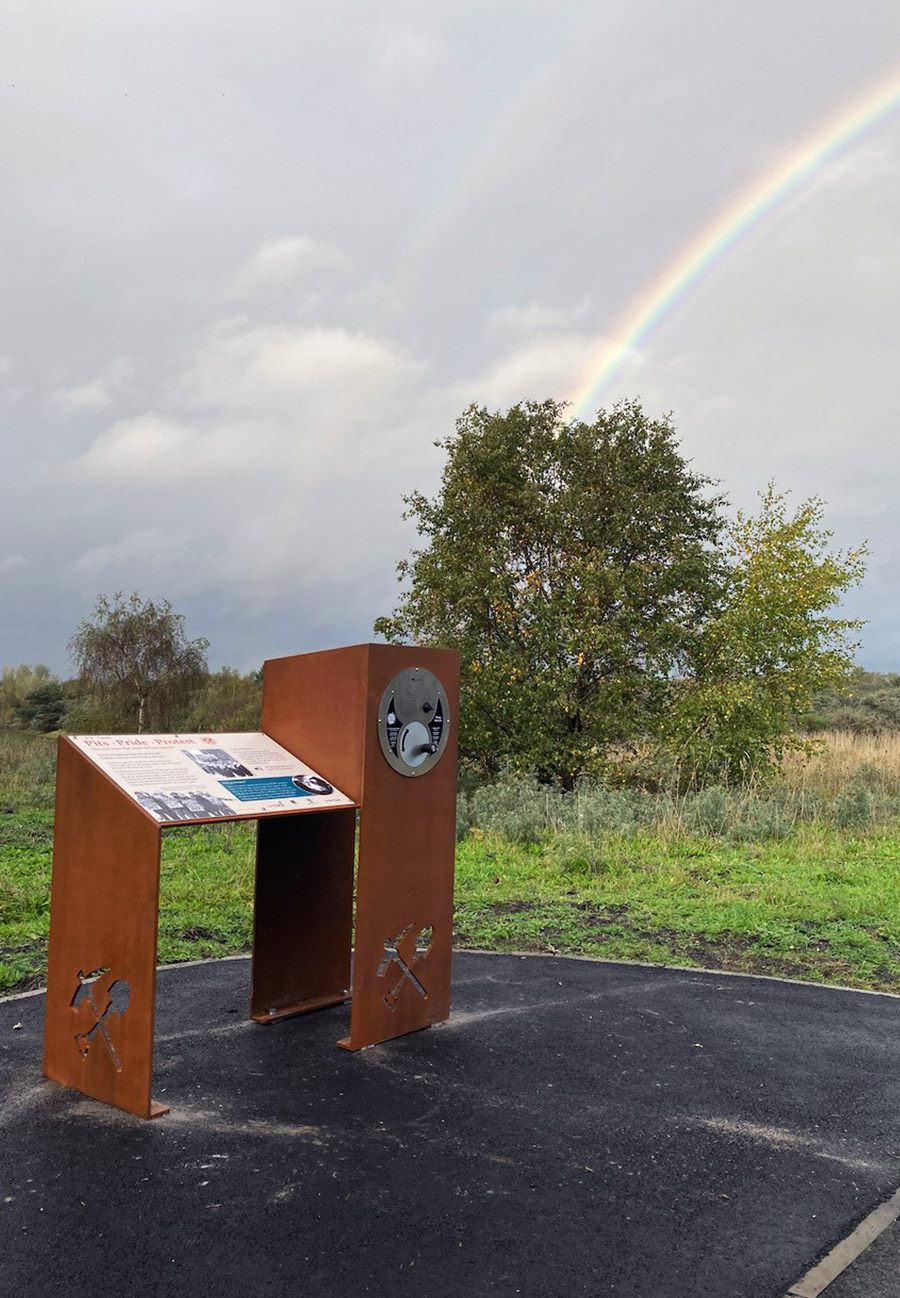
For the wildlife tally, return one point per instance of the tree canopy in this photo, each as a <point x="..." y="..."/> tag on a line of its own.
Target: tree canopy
<point x="44" y="707"/>
<point x="15" y="684"/>
<point x="134" y="660"/>
<point x="571" y="564"/>
<point x="771" y="646"/>
<point x="600" y="599"/>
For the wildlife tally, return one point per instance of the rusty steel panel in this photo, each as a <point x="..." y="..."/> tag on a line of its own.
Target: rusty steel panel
<point x="313" y="705"/>
<point x="303" y="913"/>
<point x="407" y="846"/>
<point x="324" y="708"/>
<point x="101" y="976"/>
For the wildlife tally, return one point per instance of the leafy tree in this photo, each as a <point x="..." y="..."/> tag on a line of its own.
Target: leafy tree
<point x="15" y="684"/>
<point x="134" y="661"/>
<point x="44" y="707"/>
<point x="571" y="564"/>
<point x="772" y="645"/>
<point x="228" y="701"/>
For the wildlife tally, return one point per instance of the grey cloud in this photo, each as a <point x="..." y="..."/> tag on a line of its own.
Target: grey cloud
<point x="318" y="233"/>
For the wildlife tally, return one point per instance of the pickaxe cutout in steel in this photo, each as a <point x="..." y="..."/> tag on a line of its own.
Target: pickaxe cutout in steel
<point x="118" y="995"/>
<point x="422" y="945"/>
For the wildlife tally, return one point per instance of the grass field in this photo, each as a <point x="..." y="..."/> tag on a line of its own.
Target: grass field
<point x="800" y="880"/>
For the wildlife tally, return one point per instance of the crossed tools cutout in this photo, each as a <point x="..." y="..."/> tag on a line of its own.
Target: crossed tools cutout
<point x="393" y="956"/>
<point x="118" y="995"/>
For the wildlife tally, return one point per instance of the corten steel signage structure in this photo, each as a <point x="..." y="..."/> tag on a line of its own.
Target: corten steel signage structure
<point x="376" y="721"/>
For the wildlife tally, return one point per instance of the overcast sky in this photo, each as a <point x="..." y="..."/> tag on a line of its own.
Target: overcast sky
<point x="258" y="255"/>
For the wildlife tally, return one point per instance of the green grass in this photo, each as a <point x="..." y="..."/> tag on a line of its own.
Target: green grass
<point x="819" y="903"/>
<point x="26" y="845"/>
<point x="206" y="884"/>
<point x="206" y="891"/>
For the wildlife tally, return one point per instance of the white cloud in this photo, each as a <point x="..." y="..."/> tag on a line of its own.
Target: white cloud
<point x="279" y="261"/>
<point x="534" y="318"/>
<point x="503" y="206"/>
<point x="154" y="448"/>
<point x="97" y="393"/>
<point x="12" y="561"/>
<point x="547" y="367"/>
<point x="147" y="445"/>
<point x="263" y="368"/>
<point x="94" y="395"/>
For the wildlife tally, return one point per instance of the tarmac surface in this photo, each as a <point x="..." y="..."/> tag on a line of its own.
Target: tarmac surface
<point x="876" y="1274"/>
<point x="577" y="1128"/>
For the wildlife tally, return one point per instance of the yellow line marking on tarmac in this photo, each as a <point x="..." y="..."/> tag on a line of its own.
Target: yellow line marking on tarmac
<point x="823" y="1273"/>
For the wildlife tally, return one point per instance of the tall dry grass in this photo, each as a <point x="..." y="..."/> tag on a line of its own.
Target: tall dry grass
<point x="27" y="766"/>
<point x="846" y="782"/>
<point x="841" y="758"/>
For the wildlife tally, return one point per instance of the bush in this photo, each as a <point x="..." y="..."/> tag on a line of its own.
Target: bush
<point x="513" y="809"/>
<point x="707" y="812"/>
<point x="592" y="809"/>
<point x="43" y="708"/>
<point x="853" y="807"/>
<point x="884" y="808"/>
<point x="27" y="769"/>
<point x="463" y="817"/>
<point x="875" y="779"/>
<point x="764" y="820"/>
<point x="592" y="815"/>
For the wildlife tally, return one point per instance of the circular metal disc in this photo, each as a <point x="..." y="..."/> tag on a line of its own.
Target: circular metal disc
<point x="413" y="721"/>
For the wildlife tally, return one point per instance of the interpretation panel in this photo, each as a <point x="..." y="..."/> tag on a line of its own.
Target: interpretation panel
<point x="115" y="794"/>
<point x="378" y="722"/>
<point x="190" y="779"/>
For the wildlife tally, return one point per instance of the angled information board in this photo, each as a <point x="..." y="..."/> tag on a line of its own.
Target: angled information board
<point x="185" y="779"/>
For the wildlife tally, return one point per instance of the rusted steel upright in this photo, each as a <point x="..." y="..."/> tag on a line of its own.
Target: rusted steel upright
<point x="303" y="913"/>
<point x="325" y="708"/>
<point x="101" y="976"/>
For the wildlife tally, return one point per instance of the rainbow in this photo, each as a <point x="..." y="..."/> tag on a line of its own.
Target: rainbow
<point x="789" y="175"/>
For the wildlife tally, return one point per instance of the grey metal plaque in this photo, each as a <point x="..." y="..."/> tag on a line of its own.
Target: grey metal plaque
<point x="413" y="721"/>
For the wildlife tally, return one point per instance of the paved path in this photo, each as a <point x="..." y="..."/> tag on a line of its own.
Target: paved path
<point x="578" y="1128"/>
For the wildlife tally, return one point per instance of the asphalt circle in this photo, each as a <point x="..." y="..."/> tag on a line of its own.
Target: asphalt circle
<point x="577" y="1128"/>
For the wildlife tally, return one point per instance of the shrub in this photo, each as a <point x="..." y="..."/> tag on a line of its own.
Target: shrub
<point x="513" y="809"/>
<point x="855" y="795"/>
<point x="706" y="812"/>
<point x="592" y="809"/>
<point x="43" y="708"/>
<point x="463" y="816"/>
<point x="853" y="807"/>
<point x="762" y="820"/>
